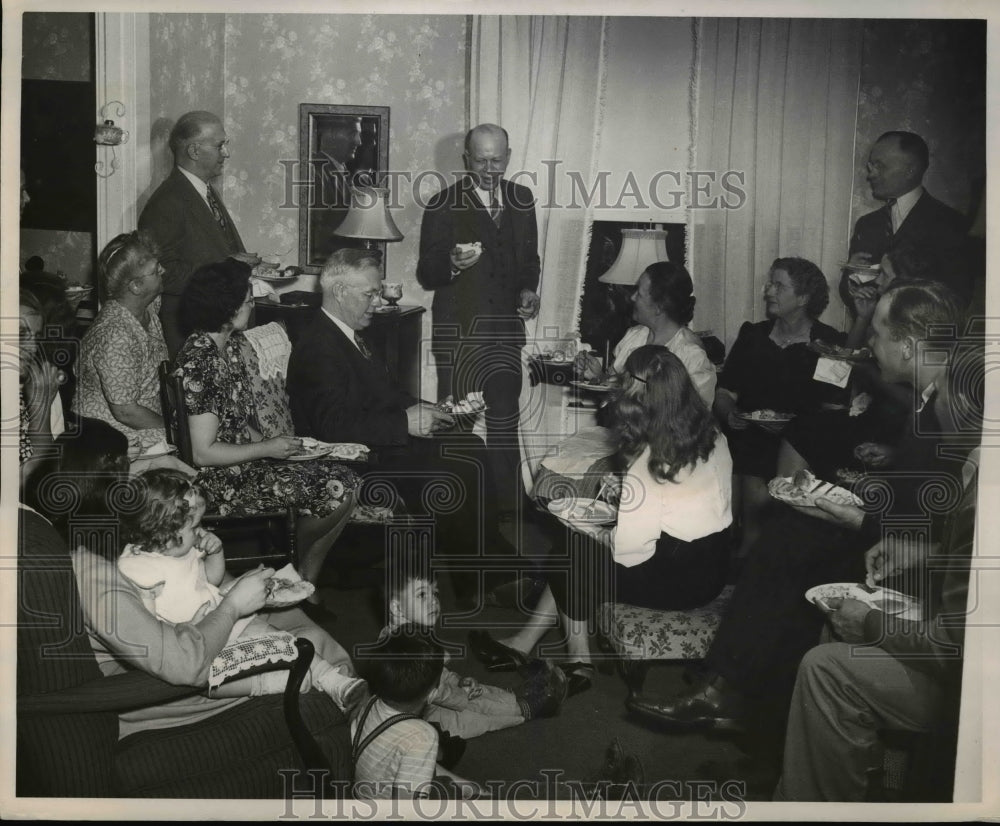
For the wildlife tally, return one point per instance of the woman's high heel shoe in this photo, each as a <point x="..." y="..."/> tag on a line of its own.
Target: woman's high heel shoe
<point x="495" y="655"/>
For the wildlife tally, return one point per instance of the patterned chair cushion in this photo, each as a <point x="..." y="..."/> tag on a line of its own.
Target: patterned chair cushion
<point x="649" y="634"/>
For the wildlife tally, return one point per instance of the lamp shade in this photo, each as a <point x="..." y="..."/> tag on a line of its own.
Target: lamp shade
<point x="369" y="218"/>
<point x="640" y="248"/>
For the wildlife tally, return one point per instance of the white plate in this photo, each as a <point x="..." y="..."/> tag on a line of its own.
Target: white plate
<point x="767" y="416"/>
<point x="597" y="388"/>
<point x="576" y="509"/>
<point x="278" y="278"/>
<point x="784" y="489"/>
<point x="309" y="453"/>
<point x="293" y="595"/>
<point x="884" y="599"/>
<point x="160" y="451"/>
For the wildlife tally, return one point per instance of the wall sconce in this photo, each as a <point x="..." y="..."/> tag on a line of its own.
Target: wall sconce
<point x="107" y="134"/>
<point x="640" y="248"/>
<point x="368" y="219"/>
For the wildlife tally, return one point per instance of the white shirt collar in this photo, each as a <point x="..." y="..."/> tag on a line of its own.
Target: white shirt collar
<point x="485" y="197"/>
<point x="196" y="182"/>
<point x="904" y="203"/>
<point x="347" y="331"/>
<point x="925" y="397"/>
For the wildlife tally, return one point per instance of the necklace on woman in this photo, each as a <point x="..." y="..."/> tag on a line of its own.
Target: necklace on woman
<point x="783" y="339"/>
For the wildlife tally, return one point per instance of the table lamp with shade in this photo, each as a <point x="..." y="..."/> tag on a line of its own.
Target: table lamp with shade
<point x="368" y="218"/>
<point x="640" y="248"/>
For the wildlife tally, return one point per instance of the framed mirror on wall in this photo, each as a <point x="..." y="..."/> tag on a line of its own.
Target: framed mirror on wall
<point x="340" y="147"/>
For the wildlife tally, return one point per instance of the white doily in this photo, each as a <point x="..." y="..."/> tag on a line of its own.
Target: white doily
<point x="243" y="655"/>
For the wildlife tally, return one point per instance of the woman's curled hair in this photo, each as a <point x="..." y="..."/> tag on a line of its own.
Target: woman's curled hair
<point x="213" y="295"/>
<point x="660" y="407"/>
<point x="671" y="289"/>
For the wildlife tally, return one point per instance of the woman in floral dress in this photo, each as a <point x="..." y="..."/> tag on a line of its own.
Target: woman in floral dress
<point x="241" y="471"/>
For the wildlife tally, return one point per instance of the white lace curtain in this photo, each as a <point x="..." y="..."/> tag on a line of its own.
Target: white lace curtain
<point x="776" y="100"/>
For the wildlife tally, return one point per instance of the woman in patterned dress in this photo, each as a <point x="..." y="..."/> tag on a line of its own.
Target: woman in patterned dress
<point x="242" y="472"/>
<point x="122" y="350"/>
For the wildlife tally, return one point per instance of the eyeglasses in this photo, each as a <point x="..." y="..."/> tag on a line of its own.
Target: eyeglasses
<point x="634" y="376"/>
<point x="220" y="145"/>
<point x="370" y="295"/>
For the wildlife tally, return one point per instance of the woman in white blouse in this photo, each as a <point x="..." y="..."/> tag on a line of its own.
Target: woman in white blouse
<point x="662" y="307"/>
<point x="670" y="548"/>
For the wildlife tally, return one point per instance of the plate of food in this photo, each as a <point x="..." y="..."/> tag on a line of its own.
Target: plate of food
<point x="307" y="453"/>
<point x="884" y="599"/>
<point x="470" y="405"/>
<point x="344" y="451"/>
<point x="472" y="245"/>
<point x="286" y="588"/>
<point x="597" y="387"/>
<point x="803" y="489"/>
<point x="583" y="511"/>
<point x="767" y="415"/>
<point x="273" y="276"/>
<point x="835" y="351"/>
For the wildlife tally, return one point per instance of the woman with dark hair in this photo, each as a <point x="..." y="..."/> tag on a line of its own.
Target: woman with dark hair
<point x="236" y="474"/>
<point x="670" y="547"/>
<point x="770" y="367"/>
<point x="662" y="307"/>
<point x="121" y="352"/>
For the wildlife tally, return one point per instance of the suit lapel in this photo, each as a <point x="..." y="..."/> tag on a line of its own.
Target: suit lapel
<point x="206" y="223"/>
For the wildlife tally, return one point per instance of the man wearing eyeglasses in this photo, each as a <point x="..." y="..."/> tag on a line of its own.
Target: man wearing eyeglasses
<point x="340" y="391"/>
<point x="185" y="216"/>
<point x="479" y="254"/>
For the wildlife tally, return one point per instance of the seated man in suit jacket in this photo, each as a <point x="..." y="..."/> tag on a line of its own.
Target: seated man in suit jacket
<point x="340" y="392"/>
<point x="186" y="217"/>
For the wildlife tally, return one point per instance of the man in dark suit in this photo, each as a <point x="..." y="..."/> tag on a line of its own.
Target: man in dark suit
<point x="186" y="217"/>
<point x="911" y="225"/>
<point x="479" y="254"/>
<point x="339" y="391"/>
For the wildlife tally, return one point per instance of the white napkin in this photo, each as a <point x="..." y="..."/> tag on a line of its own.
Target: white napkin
<point x="261" y="289"/>
<point x="832" y="371"/>
<point x="578" y="453"/>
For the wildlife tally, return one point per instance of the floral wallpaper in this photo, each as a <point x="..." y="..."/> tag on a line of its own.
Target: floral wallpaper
<point x="255" y="69"/>
<point x="928" y="77"/>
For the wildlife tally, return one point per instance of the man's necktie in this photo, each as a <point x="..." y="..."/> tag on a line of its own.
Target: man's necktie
<point x="214" y="206"/>
<point x="362" y="346"/>
<point x="495" y="209"/>
<point x="889" y="231"/>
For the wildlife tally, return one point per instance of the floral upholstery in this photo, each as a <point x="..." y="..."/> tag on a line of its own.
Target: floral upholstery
<point x="649" y="634"/>
<point x="274" y="418"/>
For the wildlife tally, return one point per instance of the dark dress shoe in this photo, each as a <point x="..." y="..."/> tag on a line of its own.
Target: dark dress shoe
<point x="542" y="695"/>
<point x="579" y="677"/>
<point x="495" y="655"/>
<point x="709" y="706"/>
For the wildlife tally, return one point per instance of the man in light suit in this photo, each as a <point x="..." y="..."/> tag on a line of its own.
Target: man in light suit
<point x="339" y="391"/>
<point x="483" y="296"/>
<point x="186" y="217"/>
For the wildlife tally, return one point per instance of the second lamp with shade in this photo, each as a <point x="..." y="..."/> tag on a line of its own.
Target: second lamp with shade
<point x="368" y="218"/>
<point x="640" y="248"/>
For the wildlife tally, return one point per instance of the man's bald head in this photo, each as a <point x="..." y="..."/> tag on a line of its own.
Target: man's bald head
<point x="487" y="153"/>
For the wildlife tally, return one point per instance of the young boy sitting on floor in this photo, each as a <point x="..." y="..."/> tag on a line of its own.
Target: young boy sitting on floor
<point x="462" y="706"/>
<point x="394" y="750"/>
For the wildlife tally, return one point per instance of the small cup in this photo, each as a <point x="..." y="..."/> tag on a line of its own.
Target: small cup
<point x="392" y="291"/>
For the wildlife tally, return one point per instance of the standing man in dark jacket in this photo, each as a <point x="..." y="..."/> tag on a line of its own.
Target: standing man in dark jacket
<point x="186" y="217"/>
<point x="479" y="254"/>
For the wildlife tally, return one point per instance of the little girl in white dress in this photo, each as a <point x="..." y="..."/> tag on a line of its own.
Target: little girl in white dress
<point x="179" y="567"/>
